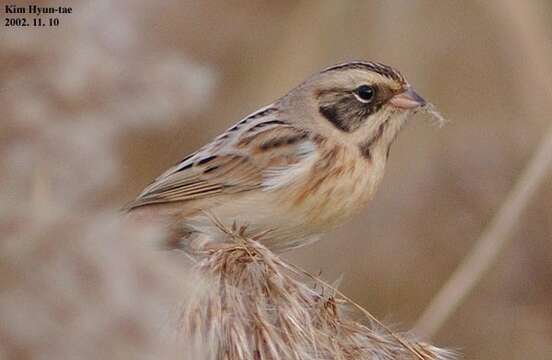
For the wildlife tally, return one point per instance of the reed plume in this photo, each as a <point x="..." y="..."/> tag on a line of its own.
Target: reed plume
<point x="257" y="306"/>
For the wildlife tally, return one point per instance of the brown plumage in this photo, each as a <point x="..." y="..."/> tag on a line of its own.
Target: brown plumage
<point x="297" y="167"/>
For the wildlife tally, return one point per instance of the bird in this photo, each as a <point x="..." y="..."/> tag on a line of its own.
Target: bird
<point x="292" y="170"/>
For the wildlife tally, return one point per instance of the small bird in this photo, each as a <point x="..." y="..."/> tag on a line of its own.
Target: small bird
<point x="293" y="169"/>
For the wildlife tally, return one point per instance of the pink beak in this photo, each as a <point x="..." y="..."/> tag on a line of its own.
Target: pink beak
<point x="408" y="99"/>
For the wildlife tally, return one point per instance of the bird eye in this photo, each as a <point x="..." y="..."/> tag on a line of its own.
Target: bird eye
<point x="365" y="93"/>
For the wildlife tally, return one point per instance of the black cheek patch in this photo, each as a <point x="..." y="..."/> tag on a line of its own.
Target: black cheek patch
<point x="332" y="115"/>
<point x="346" y="113"/>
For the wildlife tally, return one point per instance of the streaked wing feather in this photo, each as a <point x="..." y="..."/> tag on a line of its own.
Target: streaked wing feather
<point x="236" y="161"/>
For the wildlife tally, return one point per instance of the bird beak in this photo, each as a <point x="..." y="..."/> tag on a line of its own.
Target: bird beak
<point x="407" y="100"/>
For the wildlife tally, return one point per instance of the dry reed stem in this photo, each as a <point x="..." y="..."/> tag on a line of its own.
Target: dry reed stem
<point x="259" y="307"/>
<point x="529" y="34"/>
<point x="487" y="249"/>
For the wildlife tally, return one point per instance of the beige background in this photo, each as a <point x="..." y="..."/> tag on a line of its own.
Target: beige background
<point x="95" y="109"/>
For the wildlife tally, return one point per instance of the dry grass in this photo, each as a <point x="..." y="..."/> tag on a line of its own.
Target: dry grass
<point x="496" y="236"/>
<point x="258" y="306"/>
<point x="85" y="113"/>
<point x="84" y="286"/>
<point x="436" y="117"/>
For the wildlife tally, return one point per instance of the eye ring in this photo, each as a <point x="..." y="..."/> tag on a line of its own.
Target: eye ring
<point x="365" y="93"/>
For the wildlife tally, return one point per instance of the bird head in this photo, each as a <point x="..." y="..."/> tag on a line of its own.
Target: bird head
<point x="362" y="103"/>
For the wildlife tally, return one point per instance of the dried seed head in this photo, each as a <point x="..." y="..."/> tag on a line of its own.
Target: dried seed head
<point x="259" y="307"/>
<point x="436" y="117"/>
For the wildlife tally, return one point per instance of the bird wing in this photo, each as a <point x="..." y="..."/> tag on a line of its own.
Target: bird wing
<point x="250" y="155"/>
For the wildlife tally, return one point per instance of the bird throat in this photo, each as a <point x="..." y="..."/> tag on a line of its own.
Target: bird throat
<point x="367" y="147"/>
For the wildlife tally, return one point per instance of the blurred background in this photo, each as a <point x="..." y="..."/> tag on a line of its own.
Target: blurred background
<point x="95" y="108"/>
